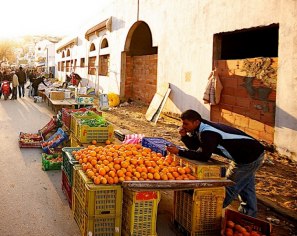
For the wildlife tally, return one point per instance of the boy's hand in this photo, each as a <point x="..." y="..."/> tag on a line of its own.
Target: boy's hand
<point x="172" y="149"/>
<point x="182" y="131"/>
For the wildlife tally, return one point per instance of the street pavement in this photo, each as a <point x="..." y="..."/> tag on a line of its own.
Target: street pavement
<point x="31" y="200"/>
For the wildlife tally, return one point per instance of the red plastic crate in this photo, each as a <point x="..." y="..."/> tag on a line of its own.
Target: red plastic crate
<point x="66" y="115"/>
<point x="66" y="188"/>
<point x="248" y="222"/>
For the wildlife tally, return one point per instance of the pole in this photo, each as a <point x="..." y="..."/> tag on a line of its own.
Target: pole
<point x="47" y="60"/>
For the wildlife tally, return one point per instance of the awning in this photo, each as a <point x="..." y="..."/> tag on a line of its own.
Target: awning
<point x="69" y="44"/>
<point x="106" y="24"/>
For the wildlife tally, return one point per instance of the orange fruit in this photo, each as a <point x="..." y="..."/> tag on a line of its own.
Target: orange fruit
<point x="157" y="176"/>
<point x="103" y="180"/>
<point x="110" y="180"/>
<point x="120" y="173"/>
<point x="102" y="171"/>
<point x="97" y="180"/>
<point x="107" y="142"/>
<point x="94" y="141"/>
<point x="150" y="176"/>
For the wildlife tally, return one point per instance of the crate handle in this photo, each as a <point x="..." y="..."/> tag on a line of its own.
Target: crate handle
<point x="105" y="212"/>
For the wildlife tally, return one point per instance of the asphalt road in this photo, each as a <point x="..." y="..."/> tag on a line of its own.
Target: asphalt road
<point x="31" y="200"/>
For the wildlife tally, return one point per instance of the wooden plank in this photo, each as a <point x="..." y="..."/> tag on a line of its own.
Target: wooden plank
<point x="156" y="101"/>
<point x="158" y="112"/>
<point x="175" y="184"/>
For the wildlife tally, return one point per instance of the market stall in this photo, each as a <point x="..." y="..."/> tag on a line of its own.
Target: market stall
<point x="114" y="187"/>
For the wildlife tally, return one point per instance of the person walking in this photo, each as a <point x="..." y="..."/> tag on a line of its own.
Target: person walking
<point x="22" y="80"/>
<point x="203" y="138"/>
<point x="15" y="84"/>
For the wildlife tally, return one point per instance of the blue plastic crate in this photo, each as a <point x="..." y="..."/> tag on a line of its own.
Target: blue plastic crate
<point x="156" y="144"/>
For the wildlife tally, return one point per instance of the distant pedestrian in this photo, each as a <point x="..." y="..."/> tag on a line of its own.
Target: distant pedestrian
<point x="15" y="84"/>
<point x="22" y="80"/>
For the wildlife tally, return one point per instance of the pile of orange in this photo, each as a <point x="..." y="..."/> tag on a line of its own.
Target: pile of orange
<point x="114" y="164"/>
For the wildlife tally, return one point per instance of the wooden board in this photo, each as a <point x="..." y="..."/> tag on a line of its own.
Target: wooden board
<point x="175" y="184"/>
<point x="156" y="101"/>
<point x="158" y="112"/>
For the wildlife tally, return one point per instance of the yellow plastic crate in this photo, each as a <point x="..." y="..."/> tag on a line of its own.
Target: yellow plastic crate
<point x="140" y="213"/>
<point x="75" y="121"/>
<point x="74" y="141"/>
<point x="85" y="133"/>
<point x="198" y="212"/>
<point x="102" y="225"/>
<point x="97" y="199"/>
<point x="205" y="170"/>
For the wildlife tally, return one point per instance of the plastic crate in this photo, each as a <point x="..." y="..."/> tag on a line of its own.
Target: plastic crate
<point x="103" y="225"/>
<point x="252" y="223"/>
<point x="66" y="114"/>
<point x="140" y="213"/>
<point x="199" y="212"/>
<point x="85" y="133"/>
<point x="50" y="126"/>
<point x="69" y="161"/>
<point x="75" y="118"/>
<point x="156" y="144"/>
<point x="205" y="170"/>
<point x="97" y="199"/>
<point x="48" y="165"/>
<point x="62" y="137"/>
<point x="31" y="144"/>
<point x="74" y="142"/>
<point x="66" y="188"/>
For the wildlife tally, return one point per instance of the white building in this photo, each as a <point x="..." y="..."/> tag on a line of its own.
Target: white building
<point x="133" y="47"/>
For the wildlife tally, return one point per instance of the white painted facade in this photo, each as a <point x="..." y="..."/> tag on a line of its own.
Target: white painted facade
<point x="183" y="32"/>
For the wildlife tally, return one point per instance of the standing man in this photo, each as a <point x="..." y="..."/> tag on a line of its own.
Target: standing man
<point x="203" y="138"/>
<point x="22" y="80"/>
<point x="15" y="84"/>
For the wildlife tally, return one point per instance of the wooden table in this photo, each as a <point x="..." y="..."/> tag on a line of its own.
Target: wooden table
<point x="57" y="105"/>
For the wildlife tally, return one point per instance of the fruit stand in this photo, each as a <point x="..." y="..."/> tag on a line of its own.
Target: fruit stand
<point x="114" y="188"/>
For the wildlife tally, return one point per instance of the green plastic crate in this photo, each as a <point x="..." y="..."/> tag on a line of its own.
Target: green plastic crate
<point x="48" y="165"/>
<point x="97" y="199"/>
<point x="103" y="225"/>
<point x="69" y="161"/>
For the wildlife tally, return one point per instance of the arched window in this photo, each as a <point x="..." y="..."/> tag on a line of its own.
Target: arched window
<point x="63" y="54"/>
<point x="92" y="47"/>
<point x="104" y="43"/>
<point x="68" y="53"/>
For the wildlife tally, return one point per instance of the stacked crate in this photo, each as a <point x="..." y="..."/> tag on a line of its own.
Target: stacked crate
<point x="97" y="209"/>
<point x="198" y="212"/>
<point x="67" y="171"/>
<point x="140" y="213"/>
<point x="84" y="134"/>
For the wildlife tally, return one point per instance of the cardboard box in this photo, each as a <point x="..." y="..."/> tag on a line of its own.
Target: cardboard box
<point x="57" y="95"/>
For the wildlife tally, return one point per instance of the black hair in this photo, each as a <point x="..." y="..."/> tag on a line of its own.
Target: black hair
<point x="191" y="115"/>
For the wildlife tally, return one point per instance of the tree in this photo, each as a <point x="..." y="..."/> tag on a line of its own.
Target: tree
<point x="6" y="50"/>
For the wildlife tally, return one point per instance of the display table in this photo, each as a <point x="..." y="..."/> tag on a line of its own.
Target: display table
<point x="57" y="105"/>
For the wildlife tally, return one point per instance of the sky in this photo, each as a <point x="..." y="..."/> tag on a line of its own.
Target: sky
<point x="51" y="17"/>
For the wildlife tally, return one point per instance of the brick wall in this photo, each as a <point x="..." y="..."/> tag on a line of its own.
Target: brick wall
<point x="238" y="108"/>
<point x="141" y="77"/>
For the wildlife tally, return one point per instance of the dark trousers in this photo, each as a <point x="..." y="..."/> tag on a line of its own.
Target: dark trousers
<point x="14" y="93"/>
<point x="21" y="89"/>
